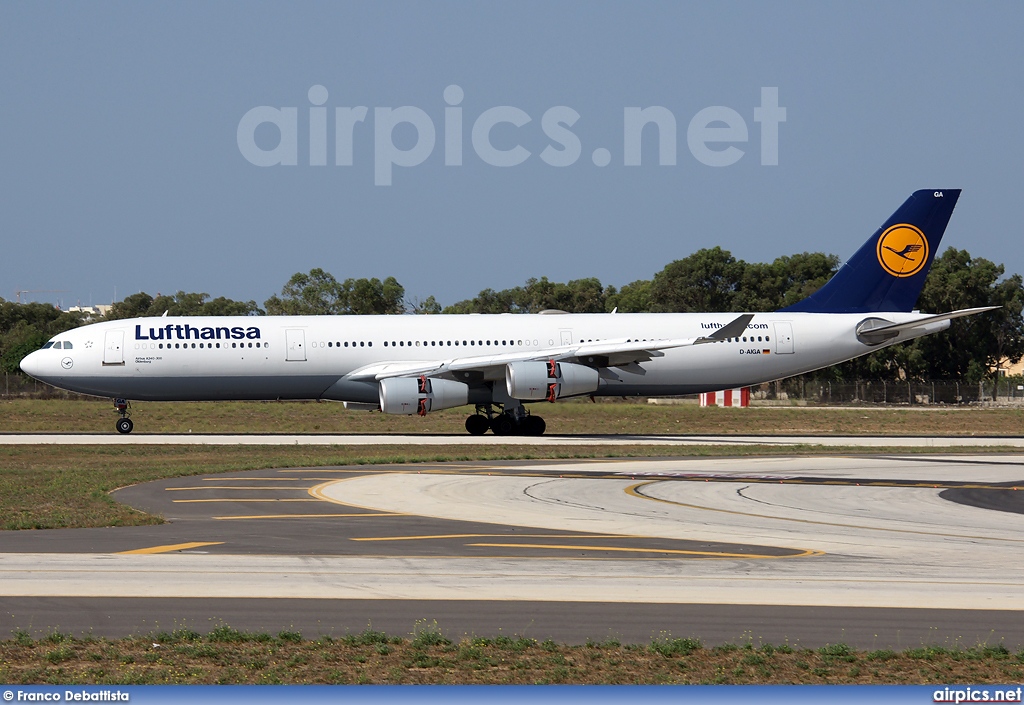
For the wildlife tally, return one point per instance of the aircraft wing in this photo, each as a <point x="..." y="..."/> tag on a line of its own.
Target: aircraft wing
<point x="603" y="353"/>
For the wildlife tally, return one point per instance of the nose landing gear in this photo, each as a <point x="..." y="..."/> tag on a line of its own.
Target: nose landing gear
<point x="123" y="408"/>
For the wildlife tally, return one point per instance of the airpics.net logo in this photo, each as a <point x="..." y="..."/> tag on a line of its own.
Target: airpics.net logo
<point x="716" y="136"/>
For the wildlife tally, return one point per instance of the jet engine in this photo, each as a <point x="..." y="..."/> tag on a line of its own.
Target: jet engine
<point x="549" y="380"/>
<point x="418" y="395"/>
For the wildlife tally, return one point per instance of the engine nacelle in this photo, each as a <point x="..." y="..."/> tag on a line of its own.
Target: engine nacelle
<point x="549" y="380"/>
<point x="418" y="395"/>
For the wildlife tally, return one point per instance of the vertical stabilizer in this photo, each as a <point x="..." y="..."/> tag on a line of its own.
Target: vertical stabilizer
<point x="887" y="273"/>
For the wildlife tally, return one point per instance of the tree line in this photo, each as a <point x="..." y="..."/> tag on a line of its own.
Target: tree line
<point x="710" y="280"/>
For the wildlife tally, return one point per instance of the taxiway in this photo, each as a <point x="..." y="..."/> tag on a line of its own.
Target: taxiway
<point x="878" y="551"/>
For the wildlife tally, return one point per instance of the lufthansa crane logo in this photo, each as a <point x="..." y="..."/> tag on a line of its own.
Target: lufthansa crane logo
<point x="902" y="250"/>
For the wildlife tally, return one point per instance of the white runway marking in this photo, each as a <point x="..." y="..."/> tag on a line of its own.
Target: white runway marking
<point x="490" y="440"/>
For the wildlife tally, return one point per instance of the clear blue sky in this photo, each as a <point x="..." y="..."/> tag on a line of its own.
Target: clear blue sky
<point x="120" y="165"/>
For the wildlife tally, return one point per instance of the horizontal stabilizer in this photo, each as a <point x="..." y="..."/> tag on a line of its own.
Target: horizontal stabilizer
<point x="875" y="330"/>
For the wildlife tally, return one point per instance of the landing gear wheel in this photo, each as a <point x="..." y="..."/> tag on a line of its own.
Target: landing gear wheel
<point x="503" y="425"/>
<point x="125" y="425"/>
<point x="533" y="426"/>
<point x="477" y="424"/>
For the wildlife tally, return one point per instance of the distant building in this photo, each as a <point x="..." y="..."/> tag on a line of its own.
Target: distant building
<point x="1012" y="370"/>
<point x="91" y="312"/>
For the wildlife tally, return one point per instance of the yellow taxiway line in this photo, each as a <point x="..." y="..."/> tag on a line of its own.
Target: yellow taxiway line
<point x="169" y="548"/>
<point x="307" y="516"/>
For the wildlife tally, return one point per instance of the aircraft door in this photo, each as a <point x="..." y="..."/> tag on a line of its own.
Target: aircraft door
<point x="295" y="344"/>
<point x="566" y="337"/>
<point x="783" y="338"/>
<point x="113" y="348"/>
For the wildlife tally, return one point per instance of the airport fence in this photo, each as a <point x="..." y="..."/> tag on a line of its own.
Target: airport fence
<point x="19" y="386"/>
<point x="1006" y="390"/>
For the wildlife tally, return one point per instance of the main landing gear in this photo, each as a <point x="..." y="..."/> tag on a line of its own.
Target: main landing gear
<point x="123" y="408"/>
<point x="515" y="421"/>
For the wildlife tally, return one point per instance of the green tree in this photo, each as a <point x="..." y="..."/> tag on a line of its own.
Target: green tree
<point x="634" y="297"/>
<point x="974" y="347"/>
<point x="428" y="306"/>
<point x="132" y="306"/>
<point x="25" y="327"/>
<point x="180" y="304"/>
<point x="373" y="296"/>
<point x="704" y="281"/>
<point x="577" y="296"/>
<point x="318" y="293"/>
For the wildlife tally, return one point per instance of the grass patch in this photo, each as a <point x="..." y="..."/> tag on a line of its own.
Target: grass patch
<point x="608" y="416"/>
<point x="226" y="655"/>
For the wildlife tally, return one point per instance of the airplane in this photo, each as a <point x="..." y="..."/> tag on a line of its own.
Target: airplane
<point x="500" y="363"/>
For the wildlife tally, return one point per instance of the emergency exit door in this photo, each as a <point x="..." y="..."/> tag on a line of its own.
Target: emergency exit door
<point x="295" y="344"/>
<point x="783" y="338"/>
<point x="113" y="348"/>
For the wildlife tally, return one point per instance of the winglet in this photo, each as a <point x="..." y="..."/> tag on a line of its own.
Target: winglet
<point x="733" y="329"/>
<point x="887" y="273"/>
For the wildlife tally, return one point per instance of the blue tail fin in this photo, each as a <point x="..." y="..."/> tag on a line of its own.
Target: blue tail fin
<point x="887" y="273"/>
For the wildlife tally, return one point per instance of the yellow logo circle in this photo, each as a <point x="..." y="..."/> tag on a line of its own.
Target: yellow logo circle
<point x="902" y="250"/>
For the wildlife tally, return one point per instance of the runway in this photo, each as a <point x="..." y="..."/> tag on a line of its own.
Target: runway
<point x="829" y="441"/>
<point x="870" y="550"/>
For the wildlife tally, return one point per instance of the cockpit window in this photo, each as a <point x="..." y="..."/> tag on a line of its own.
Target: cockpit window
<point x="67" y="344"/>
<point x="47" y="345"/>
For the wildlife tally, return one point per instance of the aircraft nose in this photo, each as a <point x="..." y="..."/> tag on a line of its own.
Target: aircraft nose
<point x="33" y="364"/>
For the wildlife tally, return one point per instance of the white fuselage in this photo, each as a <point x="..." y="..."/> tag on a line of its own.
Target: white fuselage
<point x="319" y="357"/>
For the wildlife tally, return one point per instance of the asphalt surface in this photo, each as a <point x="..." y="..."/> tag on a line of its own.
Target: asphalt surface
<point x="564" y="550"/>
